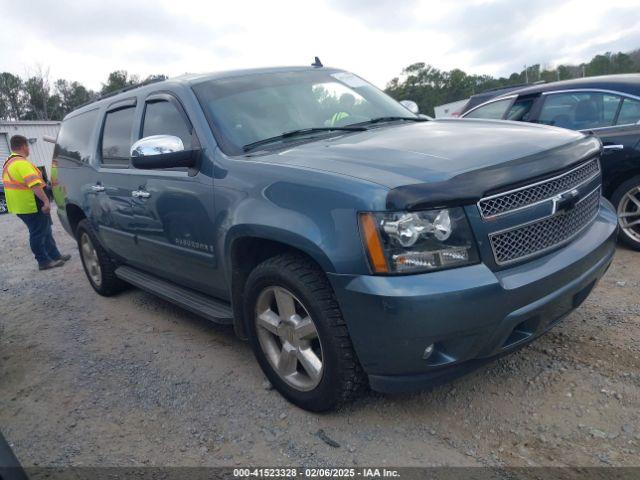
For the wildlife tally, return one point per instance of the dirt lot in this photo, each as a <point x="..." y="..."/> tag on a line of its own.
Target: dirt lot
<point x="133" y="380"/>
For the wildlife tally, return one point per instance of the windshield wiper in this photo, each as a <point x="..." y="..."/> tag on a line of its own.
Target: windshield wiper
<point x="390" y="119"/>
<point x="301" y="131"/>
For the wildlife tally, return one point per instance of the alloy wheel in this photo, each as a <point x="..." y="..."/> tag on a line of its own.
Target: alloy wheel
<point x="629" y="213"/>
<point x="289" y="338"/>
<point x="90" y="259"/>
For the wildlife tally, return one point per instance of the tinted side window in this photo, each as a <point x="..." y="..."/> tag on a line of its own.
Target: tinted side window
<point x="74" y="139"/>
<point x="163" y="118"/>
<point x="494" y="110"/>
<point x="629" y="113"/>
<point x="579" y="110"/>
<point x="116" y="136"/>
<point x="519" y="111"/>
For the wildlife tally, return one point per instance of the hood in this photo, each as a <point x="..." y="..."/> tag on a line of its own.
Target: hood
<point x="455" y="159"/>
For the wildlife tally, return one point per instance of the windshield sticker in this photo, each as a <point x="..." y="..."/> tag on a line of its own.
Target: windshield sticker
<point x="349" y="79"/>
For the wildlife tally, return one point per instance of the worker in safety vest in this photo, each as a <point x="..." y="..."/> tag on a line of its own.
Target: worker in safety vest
<point x="347" y="101"/>
<point x="24" y="192"/>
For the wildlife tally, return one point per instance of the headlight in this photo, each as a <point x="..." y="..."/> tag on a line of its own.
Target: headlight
<point x="411" y="242"/>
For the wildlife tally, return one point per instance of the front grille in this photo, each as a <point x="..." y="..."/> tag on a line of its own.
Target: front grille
<point x="522" y="197"/>
<point x="539" y="236"/>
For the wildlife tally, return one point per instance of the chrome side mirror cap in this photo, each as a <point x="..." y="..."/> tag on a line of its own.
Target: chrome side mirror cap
<point x="411" y="106"/>
<point x="156" y="145"/>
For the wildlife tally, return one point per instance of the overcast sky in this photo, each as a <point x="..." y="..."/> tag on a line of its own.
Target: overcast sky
<point x="85" y="40"/>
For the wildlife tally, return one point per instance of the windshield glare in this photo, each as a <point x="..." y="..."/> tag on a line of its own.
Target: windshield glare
<point x="246" y="109"/>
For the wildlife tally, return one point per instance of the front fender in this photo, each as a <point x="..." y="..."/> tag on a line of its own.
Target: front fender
<point x="331" y="238"/>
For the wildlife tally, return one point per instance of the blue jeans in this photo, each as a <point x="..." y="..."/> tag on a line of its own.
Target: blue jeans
<point x="41" y="239"/>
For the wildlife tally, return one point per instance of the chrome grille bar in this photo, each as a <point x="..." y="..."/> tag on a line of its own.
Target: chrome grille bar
<point x="534" y="238"/>
<point x="529" y="195"/>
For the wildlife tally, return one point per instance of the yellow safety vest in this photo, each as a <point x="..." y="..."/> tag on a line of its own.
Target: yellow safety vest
<point x="19" y="176"/>
<point x="337" y="117"/>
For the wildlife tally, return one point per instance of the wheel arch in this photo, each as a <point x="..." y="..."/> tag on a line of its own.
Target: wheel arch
<point x="248" y="248"/>
<point x="74" y="215"/>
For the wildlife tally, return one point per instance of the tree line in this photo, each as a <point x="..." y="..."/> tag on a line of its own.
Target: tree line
<point x="430" y="87"/>
<point x="38" y="98"/>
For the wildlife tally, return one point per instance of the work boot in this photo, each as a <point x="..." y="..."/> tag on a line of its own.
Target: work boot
<point x="51" y="264"/>
<point x="65" y="258"/>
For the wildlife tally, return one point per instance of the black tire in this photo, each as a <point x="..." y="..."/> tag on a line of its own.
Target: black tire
<point x="342" y="376"/>
<point x="617" y="198"/>
<point x="108" y="284"/>
<point x="3" y="204"/>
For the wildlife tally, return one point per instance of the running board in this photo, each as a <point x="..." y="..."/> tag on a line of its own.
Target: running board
<point x="198" y="303"/>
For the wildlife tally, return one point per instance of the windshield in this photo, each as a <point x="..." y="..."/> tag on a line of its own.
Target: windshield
<point x="246" y="109"/>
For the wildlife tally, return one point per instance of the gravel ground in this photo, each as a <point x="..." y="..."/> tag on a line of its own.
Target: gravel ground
<point x="133" y="380"/>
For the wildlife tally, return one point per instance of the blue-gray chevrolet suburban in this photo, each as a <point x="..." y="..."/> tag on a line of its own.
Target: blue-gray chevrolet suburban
<point x="354" y="242"/>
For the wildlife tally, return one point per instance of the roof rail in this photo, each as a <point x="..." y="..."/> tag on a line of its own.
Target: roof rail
<point x="514" y="86"/>
<point x="122" y="90"/>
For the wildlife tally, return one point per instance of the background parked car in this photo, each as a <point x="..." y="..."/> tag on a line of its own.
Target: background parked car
<point x="607" y="106"/>
<point x="480" y="98"/>
<point x="3" y="201"/>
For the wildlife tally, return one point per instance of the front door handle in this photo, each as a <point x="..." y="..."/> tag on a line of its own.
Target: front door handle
<point x="613" y="147"/>
<point x="97" y="188"/>
<point x="140" y="194"/>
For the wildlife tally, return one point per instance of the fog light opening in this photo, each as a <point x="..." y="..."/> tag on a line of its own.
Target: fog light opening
<point x="428" y="351"/>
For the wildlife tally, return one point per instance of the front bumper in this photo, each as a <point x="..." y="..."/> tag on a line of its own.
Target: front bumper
<point x="469" y="314"/>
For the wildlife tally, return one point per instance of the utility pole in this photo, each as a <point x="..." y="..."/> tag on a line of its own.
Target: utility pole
<point x="526" y="75"/>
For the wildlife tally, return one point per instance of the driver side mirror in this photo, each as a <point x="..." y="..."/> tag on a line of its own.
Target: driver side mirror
<point x="411" y="106"/>
<point x="162" y="151"/>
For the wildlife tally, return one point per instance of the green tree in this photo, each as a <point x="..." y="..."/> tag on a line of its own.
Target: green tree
<point x="11" y="96"/>
<point x="429" y="87"/>
<point x="38" y="97"/>
<point x="118" y="80"/>
<point x="72" y="95"/>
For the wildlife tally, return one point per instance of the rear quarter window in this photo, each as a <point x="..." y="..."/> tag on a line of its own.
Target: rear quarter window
<point x="74" y="140"/>
<point x="629" y="112"/>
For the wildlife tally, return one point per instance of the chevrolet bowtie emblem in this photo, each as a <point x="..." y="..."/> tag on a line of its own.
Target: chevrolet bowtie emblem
<point x="565" y="202"/>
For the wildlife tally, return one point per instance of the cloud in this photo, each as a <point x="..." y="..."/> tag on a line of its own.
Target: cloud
<point x="375" y="38"/>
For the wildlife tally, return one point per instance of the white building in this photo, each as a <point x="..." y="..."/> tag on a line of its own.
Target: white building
<point x="449" y="109"/>
<point x="41" y="151"/>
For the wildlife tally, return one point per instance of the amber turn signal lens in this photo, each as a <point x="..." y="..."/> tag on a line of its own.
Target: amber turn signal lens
<point x="372" y="243"/>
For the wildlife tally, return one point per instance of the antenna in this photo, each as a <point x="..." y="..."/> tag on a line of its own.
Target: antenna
<point x="317" y="63"/>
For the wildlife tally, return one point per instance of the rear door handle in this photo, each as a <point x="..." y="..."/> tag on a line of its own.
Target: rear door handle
<point x="97" y="188"/>
<point x="613" y="147"/>
<point x="140" y="194"/>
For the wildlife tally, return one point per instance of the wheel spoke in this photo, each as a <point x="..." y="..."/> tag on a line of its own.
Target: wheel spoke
<point x="310" y="362"/>
<point x="630" y="214"/>
<point x="285" y="302"/>
<point x="631" y="224"/>
<point x="633" y="198"/>
<point x="269" y="321"/>
<point x="305" y="329"/>
<point x="86" y="250"/>
<point x="287" y="361"/>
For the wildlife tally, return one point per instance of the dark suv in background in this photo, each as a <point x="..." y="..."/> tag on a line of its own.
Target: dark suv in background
<point x="608" y="107"/>
<point x="3" y="200"/>
<point x="351" y="241"/>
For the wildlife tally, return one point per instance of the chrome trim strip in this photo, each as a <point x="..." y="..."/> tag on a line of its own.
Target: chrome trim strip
<point x="508" y="192"/>
<point x="598" y="90"/>
<point x="551" y="247"/>
<point x="594" y="129"/>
